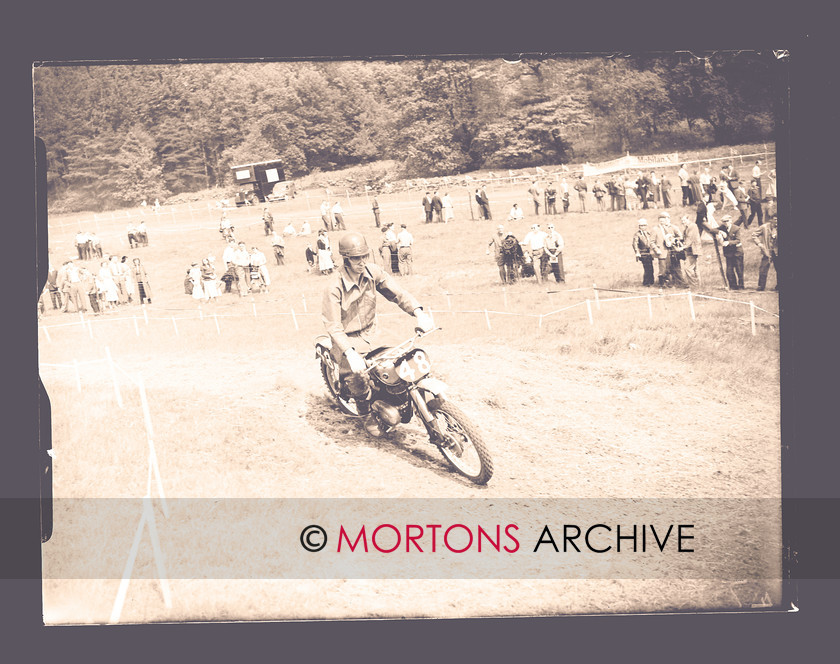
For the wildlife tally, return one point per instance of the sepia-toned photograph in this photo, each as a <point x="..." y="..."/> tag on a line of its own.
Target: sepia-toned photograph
<point x="427" y="337"/>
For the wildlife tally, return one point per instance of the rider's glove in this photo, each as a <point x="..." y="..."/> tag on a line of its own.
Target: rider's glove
<point x="424" y="320"/>
<point x="356" y="361"/>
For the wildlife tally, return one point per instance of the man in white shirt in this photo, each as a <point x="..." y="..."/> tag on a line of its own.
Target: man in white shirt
<point x="535" y="246"/>
<point x="325" y="216"/>
<point x="404" y="242"/>
<point x="258" y="260"/>
<point x="338" y="216"/>
<point x="242" y="265"/>
<point x="305" y="229"/>
<point x="756" y="175"/>
<point x="516" y="213"/>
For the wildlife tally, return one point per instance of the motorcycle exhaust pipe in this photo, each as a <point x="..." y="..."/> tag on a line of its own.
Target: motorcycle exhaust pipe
<point x="386" y="412"/>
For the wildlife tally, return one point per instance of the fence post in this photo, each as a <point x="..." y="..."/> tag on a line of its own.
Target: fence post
<point x="90" y="328"/>
<point x="589" y="311"/>
<point x="113" y="376"/>
<point x="303" y="297"/>
<point x="216" y="319"/>
<point x="145" y="315"/>
<point x="541" y="317"/>
<point x="47" y="332"/>
<point x="200" y="313"/>
<point x="597" y="301"/>
<point x="294" y="319"/>
<point x="691" y="306"/>
<point x="136" y="329"/>
<point x="175" y="326"/>
<point x="487" y="318"/>
<point x="78" y="376"/>
<point x="752" y="317"/>
<point x="448" y="303"/>
<point x="650" y="307"/>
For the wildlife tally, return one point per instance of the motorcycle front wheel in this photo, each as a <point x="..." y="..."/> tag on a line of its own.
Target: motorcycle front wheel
<point x="463" y="446"/>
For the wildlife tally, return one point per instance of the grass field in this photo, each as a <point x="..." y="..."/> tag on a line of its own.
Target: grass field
<point x="642" y="403"/>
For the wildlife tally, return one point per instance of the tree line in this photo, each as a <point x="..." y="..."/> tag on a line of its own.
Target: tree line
<point x="116" y="134"/>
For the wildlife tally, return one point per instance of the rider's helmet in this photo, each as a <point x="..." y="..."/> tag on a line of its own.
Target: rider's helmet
<point x="353" y="245"/>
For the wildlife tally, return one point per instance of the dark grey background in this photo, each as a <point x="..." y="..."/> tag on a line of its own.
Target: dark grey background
<point x="102" y="30"/>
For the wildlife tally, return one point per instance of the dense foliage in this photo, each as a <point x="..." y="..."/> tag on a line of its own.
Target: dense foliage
<point x="116" y="134"/>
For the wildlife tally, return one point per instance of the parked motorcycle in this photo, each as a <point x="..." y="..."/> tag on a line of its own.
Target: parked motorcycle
<point x="403" y="387"/>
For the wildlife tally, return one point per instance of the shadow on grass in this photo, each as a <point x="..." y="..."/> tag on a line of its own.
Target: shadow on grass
<point x="408" y="442"/>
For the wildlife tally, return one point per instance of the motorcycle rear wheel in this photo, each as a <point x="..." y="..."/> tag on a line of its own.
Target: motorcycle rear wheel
<point x="464" y="447"/>
<point x="329" y="372"/>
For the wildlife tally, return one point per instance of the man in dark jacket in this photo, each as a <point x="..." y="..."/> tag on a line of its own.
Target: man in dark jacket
<point x="754" y="201"/>
<point x="765" y="237"/>
<point x="427" y="206"/>
<point x="437" y="208"/>
<point x="642" y="246"/>
<point x="733" y="251"/>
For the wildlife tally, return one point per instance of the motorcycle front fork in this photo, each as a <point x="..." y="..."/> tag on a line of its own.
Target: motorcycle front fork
<point x="429" y="420"/>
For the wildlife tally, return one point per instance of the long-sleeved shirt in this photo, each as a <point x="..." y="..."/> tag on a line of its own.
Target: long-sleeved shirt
<point x="348" y="309"/>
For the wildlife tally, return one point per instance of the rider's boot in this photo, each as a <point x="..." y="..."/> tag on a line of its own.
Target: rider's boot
<point x="369" y="419"/>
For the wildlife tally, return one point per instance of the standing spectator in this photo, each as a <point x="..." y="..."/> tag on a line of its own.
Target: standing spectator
<point x="642" y="189"/>
<point x="125" y="278"/>
<point x="643" y="248"/>
<point x="536" y="196"/>
<point x="437" y="209"/>
<point x="96" y="245"/>
<point x="665" y="185"/>
<point x="726" y="195"/>
<point x="311" y="257"/>
<point x="259" y="262"/>
<point x="89" y="289"/>
<point x="208" y="281"/>
<point x="692" y="247"/>
<point x="516" y="213"/>
<point x="770" y="194"/>
<point x="599" y="192"/>
<point x="225" y="226"/>
<point x="242" y="266"/>
<point x="325" y="262"/>
<point x="733" y="179"/>
<point x="144" y="289"/>
<point x="756" y="176"/>
<point x="554" y="251"/>
<point x="194" y="275"/>
<point x="427" y="207"/>
<point x="705" y="181"/>
<point x="132" y="232"/>
<point x="81" y="243"/>
<point x="279" y="247"/>
<point x="696" y="189"/>
<point x="666" y="246"/>
<point x="76" y="289"/>
<point x="375" y="208"/>
<point x="268" y="221"/>
<point x="107" y="287"/>
<point x="52" y="284"/>
<point x="325" y="216"/>
<point x="404" y="257"/>
<point x="566" y="200"/>
<point x="612" y="191"/>
<point x="496" y="243"/>
<point x="485" y="203"/>
<point x="765" y="236"/>
<point x="118" y="277"/>
<point x="686" y="189"/>
<point x="551" y="199"/>
<point x="393" y="244"/>
<point x="157" y="206"/>
<point x="723" y="176"/>
<point x="535" y="246"/>
<point x="385" y="250"/>
<point x="734" y="254"/>
<point x="143" y="233"/>
<point x="655" y="189"/>
<point x="713" y="190"/>
<point x="581" y="189"/>
<point x="754" y="201"/>
<point x="743" y="204"/>
<point x="631" y="198"/>
<point x="143" y="206"/>
<point x="480" y="206"/>
<point x="338" y="215"/>
<point x="448" y="210"/>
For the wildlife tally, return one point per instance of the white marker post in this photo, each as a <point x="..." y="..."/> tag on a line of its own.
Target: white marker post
<point x="200" y="313"/>
<point x="752" y="317"/>
<point x="113" y="376"/>
<point x="254" y="306"/>
<point x="136" y="327"/>
<point x="691" y="306"/>
<point x="487" y="318"/>
<point x="303" y="297"/>
<point x="541" y="317"/>
<point x="294" y="319"/>
<point x="47" y="333"/>
<point x="90" y="328"/>
<point x="216" y="319"/>
<point x="448" y="303"/>
<point x="597" y="301"/>
<point x="175" y="326"/>
<point x="589" y="311"/>
<point x="650" y="307"/>
<point x="145" y="315"/>
<point x="192" y="218"/>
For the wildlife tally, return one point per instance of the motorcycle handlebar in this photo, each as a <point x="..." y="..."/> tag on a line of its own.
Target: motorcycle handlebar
<point x="400" y="349"/>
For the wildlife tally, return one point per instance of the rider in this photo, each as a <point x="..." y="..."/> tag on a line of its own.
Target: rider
<point x="349" y="314"/>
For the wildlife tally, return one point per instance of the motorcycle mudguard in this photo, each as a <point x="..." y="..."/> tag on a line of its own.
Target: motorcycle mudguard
<point x="435" y="386"/>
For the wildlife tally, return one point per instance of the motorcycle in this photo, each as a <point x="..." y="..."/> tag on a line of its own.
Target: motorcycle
<point x="403" y="387"/>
